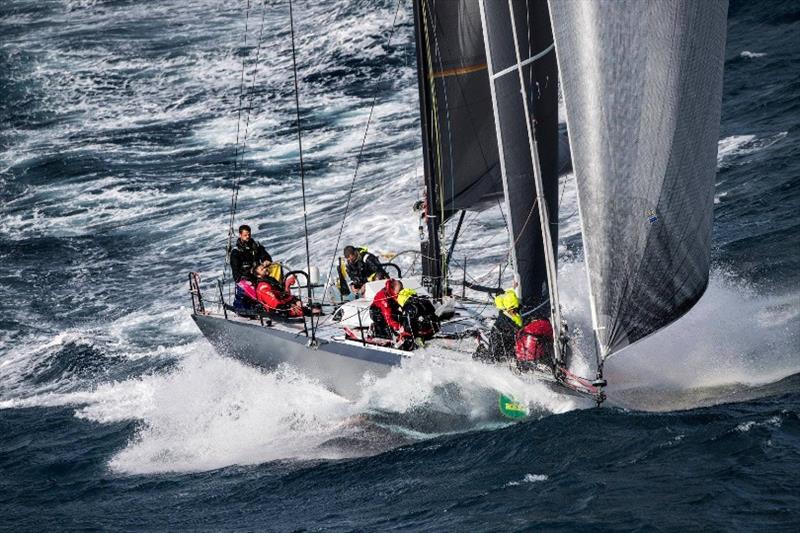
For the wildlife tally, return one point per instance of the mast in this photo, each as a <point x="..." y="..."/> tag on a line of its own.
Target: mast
<point x="461" y="163"/>
<point x="430" y="248"/>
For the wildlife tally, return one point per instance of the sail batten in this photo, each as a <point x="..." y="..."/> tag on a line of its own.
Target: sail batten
<point x="642" y="87"/>
<point x="523" y="63"/>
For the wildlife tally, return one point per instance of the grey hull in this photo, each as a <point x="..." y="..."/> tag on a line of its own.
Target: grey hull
<point x="339" y="366"/>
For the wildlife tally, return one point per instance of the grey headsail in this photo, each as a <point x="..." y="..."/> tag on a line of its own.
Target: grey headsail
<point x="524" y="81"/>
<point x="642" y="85"/>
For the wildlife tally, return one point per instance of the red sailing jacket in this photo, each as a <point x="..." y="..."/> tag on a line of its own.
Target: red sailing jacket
<point x="271" y="297"/>
<point x="534" y="341"/>
<point x="386" y="301"/>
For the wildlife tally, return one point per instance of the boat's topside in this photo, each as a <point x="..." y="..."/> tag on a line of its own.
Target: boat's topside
<point x="338" y="351"/>
<point x="328" y="331"/>
<point x="341" y="363"/>
<point x="340" y="366"/>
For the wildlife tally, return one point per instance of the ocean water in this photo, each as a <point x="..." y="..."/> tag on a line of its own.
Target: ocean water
<point x="118" y="128"/>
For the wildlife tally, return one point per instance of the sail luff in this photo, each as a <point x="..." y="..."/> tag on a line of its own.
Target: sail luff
<point x="519" y="102"/>
<point x="544" y="216"/>
<point x="503" y="173"/>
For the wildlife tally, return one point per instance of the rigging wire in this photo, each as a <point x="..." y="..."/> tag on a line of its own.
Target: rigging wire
<point x="358" y="159"/>
<point x="236" y="148"/>
<point x="300" y="142"/>
<point x="239" y="154"/>
<point x="484" y="243"/>
<point x="302" y="168"/>
<point x="527" y="219"/>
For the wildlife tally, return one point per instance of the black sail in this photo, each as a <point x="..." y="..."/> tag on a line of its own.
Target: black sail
<point x="539" y="88"/>
<point x="457" y="108"/>
<point x="642" y="85"/>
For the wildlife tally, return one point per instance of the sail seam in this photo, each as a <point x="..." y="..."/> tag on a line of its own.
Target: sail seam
<point x="458" y="71"/>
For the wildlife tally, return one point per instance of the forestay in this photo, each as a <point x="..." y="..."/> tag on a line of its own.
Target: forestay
<point x="642" y="87"/>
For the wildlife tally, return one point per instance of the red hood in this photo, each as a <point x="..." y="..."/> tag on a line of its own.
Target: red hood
<point x="388" y="288"/>
<point x="539" y="327"/>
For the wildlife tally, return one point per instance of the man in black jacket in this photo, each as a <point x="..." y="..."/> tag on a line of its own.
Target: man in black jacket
<point x="362" y="267"/>
<point x="501" y="341"/>
<point x="247" y="254"/>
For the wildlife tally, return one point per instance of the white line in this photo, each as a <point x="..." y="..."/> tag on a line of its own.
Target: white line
<point x="528" y="61"/>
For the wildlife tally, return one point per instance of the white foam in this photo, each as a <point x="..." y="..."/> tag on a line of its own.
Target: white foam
<point x="773" y="421"/>
<point x="420" y="378"/>
<point x="731" y="148"/>
<point x="752" y="55"/>
<point x="733" y="335"/>
<point x="529" y="478"/>
<point x="212" y="412"/>
<point x="731" y="145"/>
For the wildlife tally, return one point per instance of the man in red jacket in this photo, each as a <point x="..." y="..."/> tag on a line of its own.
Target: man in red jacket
<point x="385" y="313"/>
<point x="274" y="296"/>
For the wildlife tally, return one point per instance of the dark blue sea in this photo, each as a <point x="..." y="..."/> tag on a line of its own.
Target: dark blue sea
<point x="118" y="149"/>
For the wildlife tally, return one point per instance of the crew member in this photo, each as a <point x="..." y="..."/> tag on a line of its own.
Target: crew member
<point x="502" y="337"/>
<point x="418" y="316"/>
<point x="362" y="267"/>
<point x="273" y="296"/>
<point x="534" y="345"/>
<point x="244" y="257"/>
<point x="385" y="314"/>
<point x="247" y="254"/>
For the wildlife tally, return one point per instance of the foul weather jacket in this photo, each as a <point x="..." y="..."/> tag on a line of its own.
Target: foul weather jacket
<point x="501" y="342"/>
<point x="366" y="268"/>
<point x="386" y="301"/>
<point x="272" y="296"/>
<point x="245" y="256"/>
